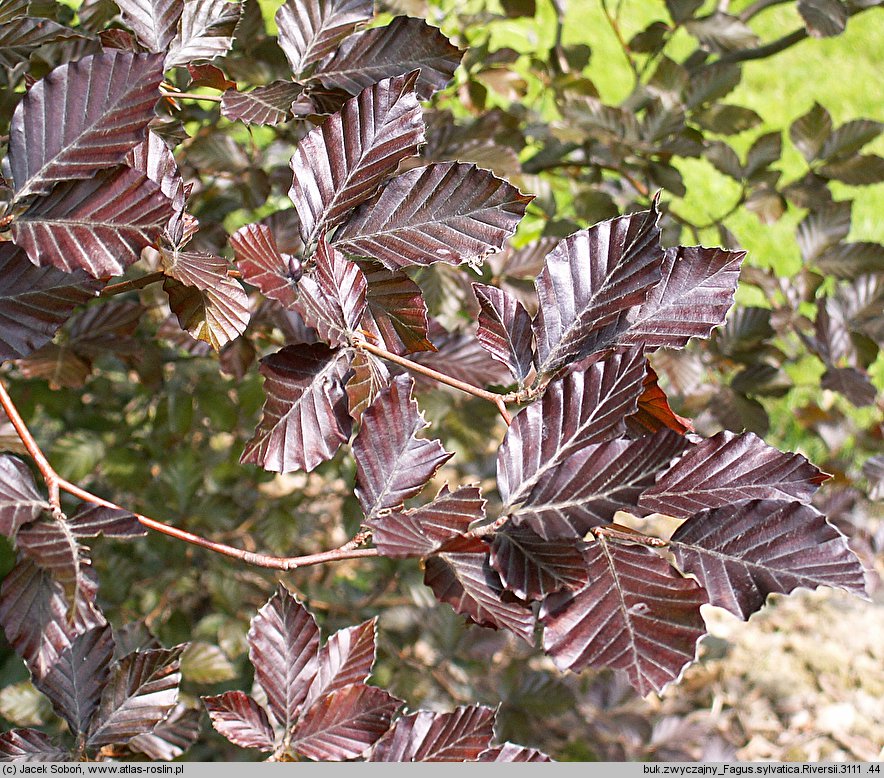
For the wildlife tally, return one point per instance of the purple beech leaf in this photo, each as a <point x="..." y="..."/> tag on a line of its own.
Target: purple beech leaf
<point x="205" y="31"/>
<point x="241" y="720"/>
<point x="459" y="736"/>
<point x="19" y="38"/>
<point x="590" y="282"/>
<point x="653" y="412"/>
<point x="332" y="298"/>
<point x="216" y="315"/>
<point x="208" y="75"/>
<point x="38" y="619"/>
<point x="171" y="737"/>
<point x="52" y="545"/>
<point x="823" y="18"/>
<point x="10" y="10"/>
<point x="852" y="383"/>
<point x="636" y="614"/>
<point x="35" y="302"/>
<point x="305" y="417"/>
<point x="29" y="745"/>
<point x="343" y="724"/>
<point x="209" y="305"/>
<point x="98" y="225"/>
<point x="445" y="212"/>
<point x="92" y="520"/>
<point x="74" y="683"/>
<point x="154" y="22"/>
<point x="459" y="574"/>
<point x="141" y="691"/>
<point x="20" y="502"/>
<point x="104" y="328"/>
<point x="342" y="162"/>
<point x="310" y="30"/>
<point x="590" y="486"/>
<point x="532" y="567"/>
<point x="510" y="752"/>
<point x="270" y="104"/>
<point x="505" y="330"/>
<point x="741" y="553"/>
<point x="460" y="355"/>
<point x="370" y="376"/>
<point x="694" y="296"/>
<point x="396" y="313"/>
<point x="423" y="530"/>
<point x="100" y="107"/>
<point x="346" y="658"/>
<point x="392" y="464"/>
<point x="583" y="407"/>
<point x="153" y="158"/>
<point x="283" y="647"/>
<point x="58" y="365"/>
<point x="402" y="46"/>
<point x="727" y="468"/>
<point x="263" y="264"/>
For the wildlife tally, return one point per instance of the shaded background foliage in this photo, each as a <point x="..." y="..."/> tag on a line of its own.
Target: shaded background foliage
<point x="594" y="133"/>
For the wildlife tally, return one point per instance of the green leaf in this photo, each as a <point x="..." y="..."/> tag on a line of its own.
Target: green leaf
<point x="204" y="663"/>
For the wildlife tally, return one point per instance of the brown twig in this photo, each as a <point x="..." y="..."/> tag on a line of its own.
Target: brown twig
<point x="146" y="280"/>
<point x="55" y="484"/>
<point x="416" y="367"/>
<point x="190" y="96"/>
<point x="618" y="33"/>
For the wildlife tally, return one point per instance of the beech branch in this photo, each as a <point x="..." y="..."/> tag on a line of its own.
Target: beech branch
<point x="190" y="96"/>
<point x="56" y="484"/>
<point x="454" y="383"/>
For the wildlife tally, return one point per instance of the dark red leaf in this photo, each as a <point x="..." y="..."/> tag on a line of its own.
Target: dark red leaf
<point x="852" y="383"/>
<point x="20" y="502"/>
<point x="532" y="567"/>
<point x="510" y="752"/>
<point x="343" y="724"/>
<point x="50" y="543"/>
<point x="92" y="520"/>
<point x="20" y="37"/>
<point x="241" y="720"/>
<point x="305" y="417"/>
<point x="263" y="264"/>
<point x="270" y="104"/>
<point x="141" y="692"/>
<point x="98" y="225"/>
<point x="216" y="315"/>
<point x="423" y="530"/>
<point x="392" y="464"/>
<point x="727" y="468"/>
<point x="583" y="407"/>
<point x="332" y="298"/>
<point x="100" y="105"/>
<point x="29" y="745"/>
<point x="370" y="377"/>
<point x="205" y="31"/>
<point x="74" y="683"/>
<point x="636" y="614"/>
<point x="35" y="302"/>
<point x="210" y="76"/>
<point x="36" y="616"/>
<point x="404" y="45"/>
<point x="590" y="282"/>
<point x="590" y="486"/>
<point x="396" y="312"/>
<point x="153" y="21"/>
<point x="741" y="553"/>
<point x="310" y="29"/>
<point x="424" y="736"/>
<point x="171" y="737"/>
<point x="653" y="412"/>
<point x="460" y="575"/>
<point x="694" y="296"/>
<point x="346" y="658"/>
<point x="505" y="330"/>
<point x="284" y="648"/>
<point x="340" y="163"/>
<point x="446" y="212"/>
<point x="153" y="158"/>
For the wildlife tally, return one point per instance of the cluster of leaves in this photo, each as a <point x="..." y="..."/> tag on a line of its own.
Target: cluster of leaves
<point x="367" y="275"/>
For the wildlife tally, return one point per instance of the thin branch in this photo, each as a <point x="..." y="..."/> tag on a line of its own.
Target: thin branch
<point x="620" y="532"/>
<point x="133" y="284"/>
<point x="54" y="483"/>
<point x="190" y="96"/>
<point x="416" y="367"/>
<point x="753" y="9"/>
<point x="46" y="470"/>
<point x="768" y="50"/>
<point x="615" y="28"/>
